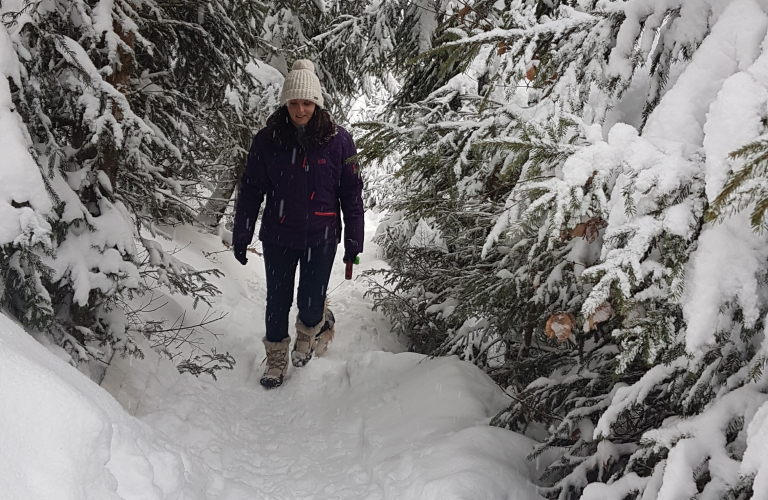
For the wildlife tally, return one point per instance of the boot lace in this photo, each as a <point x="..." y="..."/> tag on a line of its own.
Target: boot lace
<point x="276" y="358"/>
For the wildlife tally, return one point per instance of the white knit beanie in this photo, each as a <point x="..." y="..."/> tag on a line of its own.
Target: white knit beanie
<point x="302" y="83"/>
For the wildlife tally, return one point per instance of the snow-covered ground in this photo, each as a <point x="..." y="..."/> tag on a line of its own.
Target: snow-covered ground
<point x="366" y="421"/>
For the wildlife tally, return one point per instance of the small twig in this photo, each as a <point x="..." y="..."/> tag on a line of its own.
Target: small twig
<point x="335" y="288"/>
<point x="208" y="254"/>
<point x="546" y="414"/>
<point x="198" y="325"/>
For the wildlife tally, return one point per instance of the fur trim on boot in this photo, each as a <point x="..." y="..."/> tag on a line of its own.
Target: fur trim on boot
<point x="277" y="362"/>
<point x="325" y="336"/>
<point x="305" y="342"/>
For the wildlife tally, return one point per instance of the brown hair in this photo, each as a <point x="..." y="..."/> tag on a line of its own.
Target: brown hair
<point x="320" y="129"/>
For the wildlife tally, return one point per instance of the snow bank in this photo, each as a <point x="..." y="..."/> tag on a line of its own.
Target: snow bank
<point x="477" y="462"/>
<point x="424" y="427"/>
<point x="62" y="437"/>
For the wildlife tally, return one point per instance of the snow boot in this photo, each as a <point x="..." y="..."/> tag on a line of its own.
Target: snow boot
<point x="326" y="333"/>
<point x="277" y="362"/>
<point x="306" y="337"/>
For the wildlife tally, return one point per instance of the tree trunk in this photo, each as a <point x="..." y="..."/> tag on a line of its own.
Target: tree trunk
<point x="211" y="213"/>
<point x="527" y="338"/>
<point x="121" y="80"/>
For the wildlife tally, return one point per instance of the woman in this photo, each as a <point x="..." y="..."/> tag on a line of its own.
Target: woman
<point x="304" y="164"/>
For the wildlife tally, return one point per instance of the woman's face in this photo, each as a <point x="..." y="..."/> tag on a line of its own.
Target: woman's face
<point x="301" y="111"/>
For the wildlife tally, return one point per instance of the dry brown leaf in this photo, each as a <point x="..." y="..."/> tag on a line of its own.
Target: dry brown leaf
<point x="633" y="314"/>
<point x="603" y="313"/>
<point x="463" y="13"/>
<point x="560" y="325"/>
<point x="592" y="233"/>
<point x="594" y="225"/>
<point x="579" y="231"/>
<point x="576" y="434"/>
<point x="502" y="48"/>
<point x="531" y="73"/>
<point x="589" y="230"/>
<point x="588" y="184"/>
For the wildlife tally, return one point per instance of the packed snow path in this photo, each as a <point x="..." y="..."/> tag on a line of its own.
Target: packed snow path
<point x="366" y="421"/>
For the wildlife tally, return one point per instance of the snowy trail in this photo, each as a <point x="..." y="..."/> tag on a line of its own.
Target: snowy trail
<point x="367" y="421"/>
<point x="362" y="422"/>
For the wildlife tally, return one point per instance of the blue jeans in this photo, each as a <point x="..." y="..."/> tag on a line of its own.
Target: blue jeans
<point x="315" y="270"/>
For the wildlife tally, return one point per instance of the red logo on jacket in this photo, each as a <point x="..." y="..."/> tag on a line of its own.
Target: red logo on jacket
<point x="321" y="161"/>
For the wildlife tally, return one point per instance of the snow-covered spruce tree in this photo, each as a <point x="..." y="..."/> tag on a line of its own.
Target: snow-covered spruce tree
<point x="107" y="96"/>
<point x="25" y="208"/>
<point x="662" y="396"/>
<point x="356" y="45"/>
<point x="463" y="150"/>
<point x="658" y="187"/>
<point x="360" y="49"/>
<point x="223" y="137"/>
<point x="652" y="206"/>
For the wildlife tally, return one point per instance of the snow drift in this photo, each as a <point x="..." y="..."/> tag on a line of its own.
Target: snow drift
<point x="63" y="437"/>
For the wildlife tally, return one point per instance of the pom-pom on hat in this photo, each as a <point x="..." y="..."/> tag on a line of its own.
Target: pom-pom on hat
<point x="302" y="83"/>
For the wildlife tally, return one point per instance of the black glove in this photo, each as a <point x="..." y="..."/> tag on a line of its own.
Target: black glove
<point x="240" y="250"/>
<point x="350" y="257"/>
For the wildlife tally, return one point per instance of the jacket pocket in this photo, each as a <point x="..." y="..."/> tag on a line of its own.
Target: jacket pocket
<point x="326" y="177"/>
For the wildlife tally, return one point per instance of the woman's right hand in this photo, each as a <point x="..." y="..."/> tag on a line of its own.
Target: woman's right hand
<point x="240" y="253"/>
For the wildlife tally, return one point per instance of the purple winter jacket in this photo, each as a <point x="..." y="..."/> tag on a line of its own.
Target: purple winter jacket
<point x="305" y="191"/>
